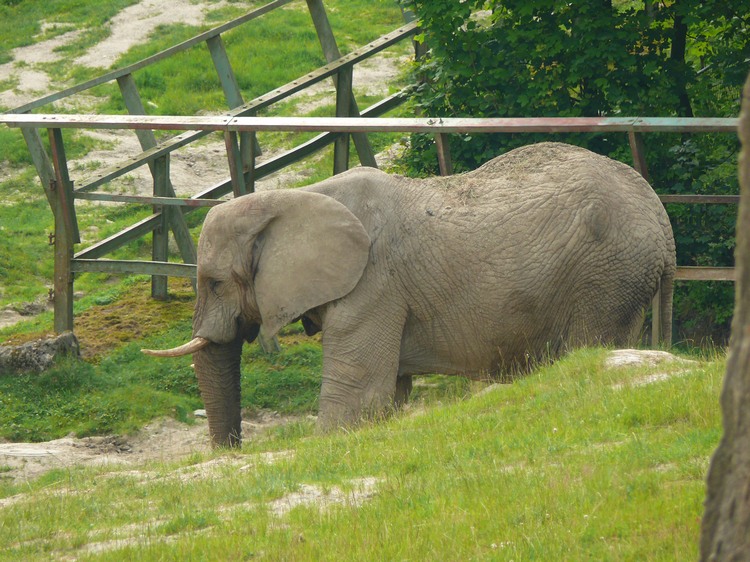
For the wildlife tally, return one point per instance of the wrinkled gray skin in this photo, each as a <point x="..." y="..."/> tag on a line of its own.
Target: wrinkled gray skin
<point x="545" y="248"/>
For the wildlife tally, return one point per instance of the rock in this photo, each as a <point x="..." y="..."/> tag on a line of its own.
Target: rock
<point x="200" y="414"/>
<point x="36" y="356"/>
<point x="633" y="357"/>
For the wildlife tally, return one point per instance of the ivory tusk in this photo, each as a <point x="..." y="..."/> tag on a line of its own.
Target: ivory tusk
<point x="196" y="344"/>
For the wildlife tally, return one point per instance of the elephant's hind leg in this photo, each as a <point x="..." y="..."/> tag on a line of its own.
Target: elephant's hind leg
<point x="403" y="390"/>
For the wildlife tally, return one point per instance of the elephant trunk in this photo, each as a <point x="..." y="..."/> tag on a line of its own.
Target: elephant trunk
<point x="217" y="367"/>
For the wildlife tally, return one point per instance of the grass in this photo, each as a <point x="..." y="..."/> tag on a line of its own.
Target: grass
<point x="560" y="465"/>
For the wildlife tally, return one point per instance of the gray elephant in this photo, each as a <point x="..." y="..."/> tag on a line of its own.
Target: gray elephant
<point x="544" y="248"/>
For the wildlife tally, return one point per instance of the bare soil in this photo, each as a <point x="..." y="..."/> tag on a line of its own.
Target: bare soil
<point x="163" y="440"/>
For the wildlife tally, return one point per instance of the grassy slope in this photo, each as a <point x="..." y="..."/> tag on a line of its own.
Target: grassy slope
<point x="561" y="465"/>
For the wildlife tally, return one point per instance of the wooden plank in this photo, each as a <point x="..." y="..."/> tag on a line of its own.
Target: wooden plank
<point x="122" y="238"/>
<point x="235" y="163"/>
<point x="41" y="161"/>
<point x="695" y="273"/>
<point x="343" y="107"/>
<point x="638" y="150"/>
<point x="160" y="243"/>
<point x="145" y="200"/>
<point x="224" y="71"/>
<point x="64" y="236"/>
<point x="134" y="105"/>
<point x="65" y="209"/>
<point x="135" y="267"/>
<point x="249" y="149"/>
<point x="444" y="154"/>
<point x="115" y="74"/>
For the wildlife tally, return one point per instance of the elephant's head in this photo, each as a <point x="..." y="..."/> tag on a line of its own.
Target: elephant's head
<point x="263" y="259"/>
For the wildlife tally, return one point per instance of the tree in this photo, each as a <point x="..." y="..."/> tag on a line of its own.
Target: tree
<point x="726" y="521"/>
<point x="514" y="58"/>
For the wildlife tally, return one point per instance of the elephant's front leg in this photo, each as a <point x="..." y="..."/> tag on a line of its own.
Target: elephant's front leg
<point x="360" y="368"/>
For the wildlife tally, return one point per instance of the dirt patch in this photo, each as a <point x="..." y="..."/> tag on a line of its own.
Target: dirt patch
<point x="162" y="440"/>
<point x="361" y="490"/>
<point x="136" y="23"/>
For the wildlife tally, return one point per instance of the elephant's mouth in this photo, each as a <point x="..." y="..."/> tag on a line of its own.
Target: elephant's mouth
<point x="193" y="346"/>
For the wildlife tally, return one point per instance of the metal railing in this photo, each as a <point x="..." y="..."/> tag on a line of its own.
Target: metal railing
<point x="232" y="125"/>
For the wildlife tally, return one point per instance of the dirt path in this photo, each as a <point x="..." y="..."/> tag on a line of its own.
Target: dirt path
<point x="161" y="440"/>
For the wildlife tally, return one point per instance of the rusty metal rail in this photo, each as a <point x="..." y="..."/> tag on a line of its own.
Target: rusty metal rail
<point x="377" y="125"/>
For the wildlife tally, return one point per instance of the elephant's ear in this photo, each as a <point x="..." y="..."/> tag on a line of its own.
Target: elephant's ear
<point x="313" y="251"/>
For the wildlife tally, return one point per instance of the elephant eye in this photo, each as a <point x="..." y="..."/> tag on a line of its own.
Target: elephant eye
<point x="213" y="286"/>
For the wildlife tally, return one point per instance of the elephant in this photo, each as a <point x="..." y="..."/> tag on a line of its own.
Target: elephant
<point x="481" y="274"/>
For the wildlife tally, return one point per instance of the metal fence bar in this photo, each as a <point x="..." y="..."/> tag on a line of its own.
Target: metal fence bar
<point x="374" y="125"/>
<point x="701" y="199"/>
<point x="705" y="273"/>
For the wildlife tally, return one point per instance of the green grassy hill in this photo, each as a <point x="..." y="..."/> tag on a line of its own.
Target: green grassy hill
<point x="577" y="461"/>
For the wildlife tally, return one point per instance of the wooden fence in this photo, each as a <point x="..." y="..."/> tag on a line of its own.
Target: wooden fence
<point x="64" y="194"/>
<point x="239" y="128"/>
<point x="242" y="148"/>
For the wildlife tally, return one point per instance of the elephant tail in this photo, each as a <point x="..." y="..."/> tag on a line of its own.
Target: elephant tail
<point x="663" y="299"/>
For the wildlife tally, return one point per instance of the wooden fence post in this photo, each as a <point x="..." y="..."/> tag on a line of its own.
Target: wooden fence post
<point x="147" y="139"/>
<point x="444" y="154"/>
<point x="331" y="53"/>
<point x="160" y="246"/>
<point x="343" y="104"/>
<point x="66" y="234"/>
<point x="234" y="157"/>
<point x="249" y="147"/>
<point x="638" y="150"/>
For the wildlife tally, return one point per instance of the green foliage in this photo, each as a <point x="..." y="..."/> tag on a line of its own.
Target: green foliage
<point x="570" y="59"/>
